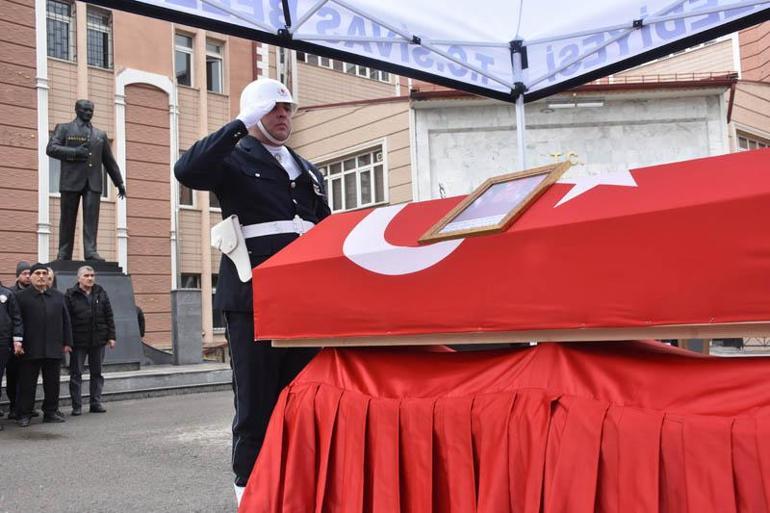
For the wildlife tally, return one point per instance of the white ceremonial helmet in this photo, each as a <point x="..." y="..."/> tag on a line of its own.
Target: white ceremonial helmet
<point x="266" y="90"/>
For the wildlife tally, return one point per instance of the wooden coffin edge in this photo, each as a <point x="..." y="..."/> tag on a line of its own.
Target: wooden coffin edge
<point x="680" y="331"/>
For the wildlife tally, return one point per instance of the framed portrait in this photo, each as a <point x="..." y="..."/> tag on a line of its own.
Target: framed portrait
<point x="495" y="204"/>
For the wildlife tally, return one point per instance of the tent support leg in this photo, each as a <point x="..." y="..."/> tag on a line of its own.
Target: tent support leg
<point x="520" y="129"/>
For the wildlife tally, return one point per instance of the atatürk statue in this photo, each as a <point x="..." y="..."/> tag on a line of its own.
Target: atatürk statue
<point x="82" y="150"/>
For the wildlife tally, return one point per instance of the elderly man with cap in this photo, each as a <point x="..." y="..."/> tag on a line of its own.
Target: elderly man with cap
<point x="47" y="335"/>
<point x="269" y="195"/>
<point x="12" y="364"/>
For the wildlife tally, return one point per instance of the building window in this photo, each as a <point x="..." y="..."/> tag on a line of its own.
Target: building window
<point x="217" y="317"/>
<point x="748" y="142"/>
<point x="213" y="200"/>
<point x="355" y="181"/>
<point x="344" y="67"/>
<point x="214" y="72"/>
<point x="190" y="281"/>
<point x="183" y="58"/>
<point x="61" y="30"/>
<point x="99" y="24"/>
<point x="186" y="196"/>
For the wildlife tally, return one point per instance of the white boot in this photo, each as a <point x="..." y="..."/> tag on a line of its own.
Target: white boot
<point x="238" y="492"/>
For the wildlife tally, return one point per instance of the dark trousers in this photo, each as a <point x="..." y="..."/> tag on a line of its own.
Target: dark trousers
<point x="28" y="373"/>
<point x="12" y="380"/>
<point x="260" y="372"/>
<point x="5" y="355"/>
<point x="77" y="364"/>
<point x="69" y="213"/>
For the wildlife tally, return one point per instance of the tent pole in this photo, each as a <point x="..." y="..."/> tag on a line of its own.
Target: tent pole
<point x="520" y="129"/>
<point x="519" y="88"/>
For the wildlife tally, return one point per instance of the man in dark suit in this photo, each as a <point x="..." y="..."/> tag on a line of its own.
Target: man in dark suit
<point x="83" y="150"/>
<point x="47" y="336"/>
<point x="277" y="195"/>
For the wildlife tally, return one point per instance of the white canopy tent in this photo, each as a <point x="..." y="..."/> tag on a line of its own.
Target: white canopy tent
<point x="515" y="51"/>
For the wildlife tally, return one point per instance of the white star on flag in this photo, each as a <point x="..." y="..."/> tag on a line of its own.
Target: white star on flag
<point x="585" y="183"/>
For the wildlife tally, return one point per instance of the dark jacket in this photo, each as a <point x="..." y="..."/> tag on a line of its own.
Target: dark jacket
<point x="46" y="323"/>
<point x="249" y="182"/>
<point x="10" y="318"/>
<point x="77" y="173"/>
<point x="93" y="323"/>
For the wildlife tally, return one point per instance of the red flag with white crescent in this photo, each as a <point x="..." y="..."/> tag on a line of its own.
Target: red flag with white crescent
<point x="678" y="244"/>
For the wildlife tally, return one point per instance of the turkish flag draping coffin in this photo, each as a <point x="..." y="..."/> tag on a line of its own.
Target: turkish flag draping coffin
<point x="671" y="246"/>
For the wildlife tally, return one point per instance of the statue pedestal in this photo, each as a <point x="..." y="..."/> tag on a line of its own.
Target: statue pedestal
<point x="128" y="351"/>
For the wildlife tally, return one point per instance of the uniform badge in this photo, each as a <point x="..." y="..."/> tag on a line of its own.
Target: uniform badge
<point x="3" y="298"/>
<point x="316" y="183"/>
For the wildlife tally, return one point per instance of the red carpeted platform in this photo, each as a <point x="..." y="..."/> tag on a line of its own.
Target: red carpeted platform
<point x="607" y="427"/>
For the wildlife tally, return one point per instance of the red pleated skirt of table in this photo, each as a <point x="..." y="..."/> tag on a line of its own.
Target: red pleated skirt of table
<point x="586" y="427"/>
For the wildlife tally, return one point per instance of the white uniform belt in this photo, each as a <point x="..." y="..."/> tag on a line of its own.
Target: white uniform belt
<point x="296" y="225"/>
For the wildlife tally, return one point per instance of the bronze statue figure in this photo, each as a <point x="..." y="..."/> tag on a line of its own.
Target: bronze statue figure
<point x="82" y="149"/>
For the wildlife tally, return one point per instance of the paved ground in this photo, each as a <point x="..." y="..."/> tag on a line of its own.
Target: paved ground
<point x="168" y="454"/>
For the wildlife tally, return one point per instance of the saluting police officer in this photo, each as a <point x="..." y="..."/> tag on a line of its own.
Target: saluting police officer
<point x="82" y="149"/>
<point x="276" y="195"/>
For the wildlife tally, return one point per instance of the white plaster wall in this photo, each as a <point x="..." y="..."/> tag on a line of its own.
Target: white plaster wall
<point x="459" y="146"/>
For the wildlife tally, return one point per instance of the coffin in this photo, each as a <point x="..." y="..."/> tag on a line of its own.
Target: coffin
<point x="672" y="251"/>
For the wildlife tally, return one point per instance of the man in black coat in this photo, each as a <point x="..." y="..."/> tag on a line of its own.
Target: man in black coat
<point x="12" y="365"/>
<point x="276" y="195"/>
<point x="47" y="335"/>
<point x="82" y="150"/>
<point x="93" y="328"/>
<point x="11" y="328"/>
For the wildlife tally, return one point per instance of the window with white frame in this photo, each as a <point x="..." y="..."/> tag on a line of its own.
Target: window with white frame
<point x="214" y="68"/>
<point x="183" y="59"/>
<point x="344" y="67"/>
<point x="190" y="281"/>
<point x="99" y="38"/>
<point x="747" y="142"/>
<point x="60" y="25"/>
<point x="186" y="196"/>
<point x="356" y="180"/>
<point x="218" y="319"/>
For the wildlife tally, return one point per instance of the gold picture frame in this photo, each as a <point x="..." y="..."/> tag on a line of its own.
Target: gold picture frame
<point x="495" y="204"/>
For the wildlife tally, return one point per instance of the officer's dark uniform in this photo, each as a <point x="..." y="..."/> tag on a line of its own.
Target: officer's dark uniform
<point x="250" y="183"/>
<point x="10" y="327"/>
<point x="12" y="371"/>
<point x="81" y="177"/>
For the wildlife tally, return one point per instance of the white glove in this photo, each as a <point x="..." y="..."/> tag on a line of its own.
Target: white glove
<point x="251" y="114"/>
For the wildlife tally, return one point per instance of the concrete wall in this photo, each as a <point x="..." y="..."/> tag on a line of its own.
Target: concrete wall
<point x="461" y="145"/>
<point x="142" y="43"/>
<point x="328" y="133"/>
<point x="18" y="136"/>
<point x="755" y="58"/>
<point x="716" y="57"/>
<point x="751" y="109"/>
<point x="318" y="86"/>
<point x="148" y="207"/>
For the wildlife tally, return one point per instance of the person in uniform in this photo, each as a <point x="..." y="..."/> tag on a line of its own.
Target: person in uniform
<point x="11" y="329"/>
<point x="82" y="149"/>
<point x="47" y="336"/>
<point x="12" y="365"/>
<point x="276" y="196"/>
